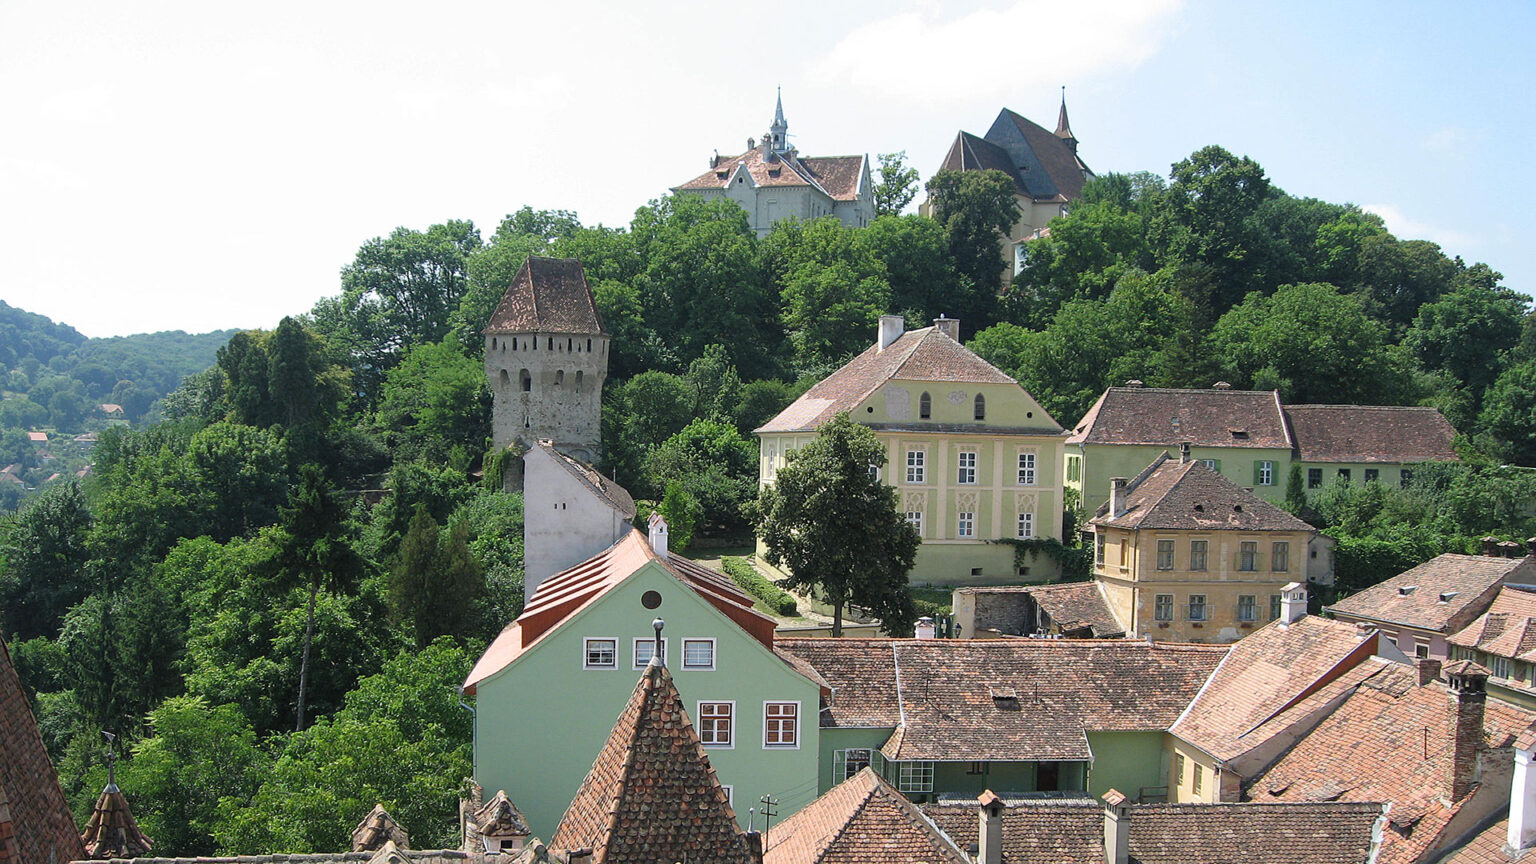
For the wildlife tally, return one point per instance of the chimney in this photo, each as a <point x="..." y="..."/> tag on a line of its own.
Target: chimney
<point x="1510" y="549"/>
<point x="751" y="143"/>
<point x="1293" y="602"/>
<point x="1468" y="683"/>
<point x="1530" y="546"/>
<point x="1135" y="384"/>
<point x="925" y="628"/>
<point x="1116" y="496"/>
<point x="658" y="537"/>
<point x="1117" y="828"/>
<point x="948" y="326"/>
<point x="1184" y="453"/>
<point x="1429" y="670"/>
<point x="891" y="327"/>
<point x="989" y="829"/>
<point x="754" y="846"/>
<point x="1221" y="385"/>
<point x="1490" y="547"/>
<point x="1522" y="795"/>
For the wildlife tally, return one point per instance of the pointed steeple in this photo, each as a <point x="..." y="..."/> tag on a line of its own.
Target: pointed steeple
<point x="1063" y="128"/>
<point x="778" y="133"/>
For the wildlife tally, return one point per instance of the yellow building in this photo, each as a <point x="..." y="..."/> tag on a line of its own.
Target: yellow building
<point x="1183" y="554"/>
<point x="974" y="458"/>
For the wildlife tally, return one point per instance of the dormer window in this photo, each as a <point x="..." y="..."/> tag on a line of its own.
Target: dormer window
<point x="1239" y="434"/>
<point x="1448" y="596"/>
<point x="1405" y="590"/>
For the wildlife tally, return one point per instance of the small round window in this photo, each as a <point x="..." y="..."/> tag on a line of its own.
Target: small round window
<point x="650" y="599"/>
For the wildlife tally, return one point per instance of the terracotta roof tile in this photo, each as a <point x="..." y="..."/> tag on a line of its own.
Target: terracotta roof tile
<point x="376" y="829"/>
<point x="919" y="355"/>
<point x="1073" y="606"/>
<point x="1003" y="700"/>
<point x="548" y="295"/>
<point x="1072" y="832"/>
<point x="1168" y="418"/>
<point x="1443" y="594"/>
<point x="33" y="811"/>
<point x="1507" y="629"/>
<point x="839" y="177"/>
<point x="1273" y="668"/>
<point x="1487" y="847"/>
<point x="1387" y="740"/>
<point x="1189" y="496"/>
<point x="862" y="820"/>
<point x="388" y="855"/>
<point x="1370" y="433"/>
<point x="651" y="795"/>
<point x="111" y="831"/>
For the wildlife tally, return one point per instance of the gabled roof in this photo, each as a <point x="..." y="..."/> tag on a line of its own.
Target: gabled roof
<point x="1272" y="669"/>
<point x="1443" y="594"/>
<point x="1507" y="629"/>
<point x="604" y="489"/>
<point x="838" y="177"/>
<point x="927" y="354"/>
<point x="862" y="820"/>
<point x="651" y="795"/>
<point x="35" y="822"/>
<point x="1371" y="433"/>
<point x="1388" y="739"/>
<point x="1072" y="832"/>
<point x="548" y="295"/>
<point x="566" y="593"/>
<point x="1042" y="165"/>
<point x="1168" y="418"/>
<point x="974" y="153"/>
<point x="1189" y="496"/>
<point x="1003" y="699"/>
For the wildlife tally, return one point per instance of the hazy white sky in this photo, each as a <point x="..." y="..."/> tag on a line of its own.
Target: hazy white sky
<point x="195" y="166"/>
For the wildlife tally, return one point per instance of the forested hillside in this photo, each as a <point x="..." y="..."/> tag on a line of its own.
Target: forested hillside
<point x="272" y="593"/>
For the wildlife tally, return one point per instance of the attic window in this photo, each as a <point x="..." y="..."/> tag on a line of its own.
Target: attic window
<point x="1199" y="508"/>
<point x="1405" y="590"/>
<point x="1237" y="507"/>
<point x="1003" y="694"/>
<point x="1448" y="596"/>
<point x="1239" y="433"/>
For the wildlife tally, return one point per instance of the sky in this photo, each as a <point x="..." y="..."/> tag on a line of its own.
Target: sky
<point x="199" y="166"/>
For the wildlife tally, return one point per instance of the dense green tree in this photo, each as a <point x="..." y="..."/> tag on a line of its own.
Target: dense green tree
<point x="1510" y="414"/>
<point x="835" y="527"/>
<point x="760" y="401"/>
<point x="1085" y="255"/>
<point x="897" y="185"/>
<point x="634" y="347"/>
<point x="493" y="525"/>
<point x="436" y="584"/>
<point x="715" y="465"/>
<point x="1467" y="333"/>
<point x="977" y="211"/>
<point x="434" y="401"/>
<point x="1208" y="216"/>
<point x="918" y="266"/>
<point x="682" y="512"/>
<point x="832" y="287"/>
<point x="46" y="560"/>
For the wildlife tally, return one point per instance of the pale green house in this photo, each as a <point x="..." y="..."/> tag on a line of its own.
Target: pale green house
<point x="974" y="458"/>
<point x="548" y="689"/>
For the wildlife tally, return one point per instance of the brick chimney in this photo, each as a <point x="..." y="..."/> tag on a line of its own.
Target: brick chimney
<point x="1117" y="828"/>
<point x="1468" y="683"/>
<point x="1530" y="545"/>
<point x="1510" y="549"/>
<point x="1116" y="496"/>
<point x="891" y="327"/>
<point x="754" y="845"/>
<point x="1522" y="795"/>
<point x="948" y="326"/>
<point x="989" y="829"/>
<point x="1429" y="670"/>
<point x="1491" y="547"/>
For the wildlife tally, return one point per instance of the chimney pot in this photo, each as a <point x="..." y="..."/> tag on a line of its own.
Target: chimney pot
<point x="1522" y="799"/>
<point x="1221" y="385"/>
<point x="755" y="846"/>
<point x="891" y="327"/>
<point x="1468" y="684"/>
<point x="1293" y="602"/>
<point x="1530" y="546"/>
<point x="1117" y="828"/>
<point x="925" y="628"/>
<point x="1116" y="496"/>
<point x="1134" y="383"/>
<point x="989" y="829"/>
<point x="1184" y="452"/>
<point x="1510" y="549"/>
<point x="1491" y="547"/>
<point x="658" y="536"/>
<point x="948" y="326"/>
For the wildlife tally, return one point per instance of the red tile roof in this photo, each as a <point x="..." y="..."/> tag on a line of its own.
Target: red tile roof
<point x="1442" y="595"/>
<point x="1507" y="629"/>
<point x="1072" y="832"/>
<point x="112" y="831"/>
<point x="1371" y="433"/>
<point x="839" y="177"/>
<point x="548" y="295"/>
<point x="919" y="355"/>
<point x="564" y="594"/>
<point x="1273" y="668"/>
<point x="1003" y="700"/>
<point x="1072" y="607"/>
<point x="1175" y="495"/>
<point x="862" y="820"/>
<point x="1487" y="847"/>
<point x="652" y="795"/>
<point x="1168" y="418"/>
<point x="1387" y="740"/>
<point x="35" y="822"/>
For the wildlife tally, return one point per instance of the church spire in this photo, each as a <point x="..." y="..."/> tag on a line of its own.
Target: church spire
<point x="1064" y="129"/>
<point x="778" y="133"/>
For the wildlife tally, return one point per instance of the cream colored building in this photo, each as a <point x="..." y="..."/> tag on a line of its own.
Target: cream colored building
<point x="1184" y="555"/>
<point x="974" y="458"/>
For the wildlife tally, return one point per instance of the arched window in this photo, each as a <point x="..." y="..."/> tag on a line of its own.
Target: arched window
<point x="589" y="346"/>
<point x="925" y="406"/>
<point x="493" y="343"/>
<point x="559" y="377"/>
<point x="981" y="407"/>
<point x="506" y="379"/>
<point x="578" y="380"/>
<point x="526" y="380"/>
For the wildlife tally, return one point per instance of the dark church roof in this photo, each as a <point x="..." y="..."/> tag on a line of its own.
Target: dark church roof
<point x="1043" y="164"/>
<point x="35" y="823"/>
<point x="548" y="295"/>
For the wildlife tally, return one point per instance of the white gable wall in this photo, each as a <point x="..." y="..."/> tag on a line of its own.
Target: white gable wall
<point x="564" y="521"/>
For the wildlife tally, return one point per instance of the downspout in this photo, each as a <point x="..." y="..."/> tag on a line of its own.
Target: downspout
<point x="474" y="727"/>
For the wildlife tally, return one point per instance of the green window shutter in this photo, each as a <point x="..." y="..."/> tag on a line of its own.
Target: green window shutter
<point x="1258" y="474"/>
<point x="1218" y="465"/>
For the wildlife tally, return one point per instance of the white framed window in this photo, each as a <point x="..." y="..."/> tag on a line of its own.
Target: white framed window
<point x="917" y="466"/>
<point x="717" y="724"/>
<point x="1162" y="609"/>
<point x="698" y="653"/>
<point x="1165" y="554"/>
<point x="874" y="472"/>
<point x="1247" y="607"/>
<point x="846" y="763"/>
<point x="730" y="795"/>
<point x="915" y="777"/>
<point x="1026" y="469"/>
<point x="600" y="654"/>
<point x="1264" y="473"/>
<point x="915" y="519"/>
<point x="1197" y="607"/>
<point x="965" y="524"/>
<point x="1499" y="666"/>
<point x="966" y="472"/>
<point x="781" y="724"/>
<point x="1248" y="555"/>
<point x="645" y="647"/>
<point x="1026" y="526"/>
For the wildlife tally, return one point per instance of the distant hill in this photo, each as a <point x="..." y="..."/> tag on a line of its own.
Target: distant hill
<point x="55" y="379"/>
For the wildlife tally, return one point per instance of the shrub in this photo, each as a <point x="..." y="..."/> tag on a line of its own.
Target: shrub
<point x="749" y="580"/>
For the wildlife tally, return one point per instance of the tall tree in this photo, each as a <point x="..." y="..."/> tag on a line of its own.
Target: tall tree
<point x="46" y="557"/>
<point x="835" y="526"/>
<point x="897" y="185"/>
<point x="977" y="210"/>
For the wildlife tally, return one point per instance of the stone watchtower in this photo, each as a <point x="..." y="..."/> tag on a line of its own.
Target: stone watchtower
<point x="546" y="357"/>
